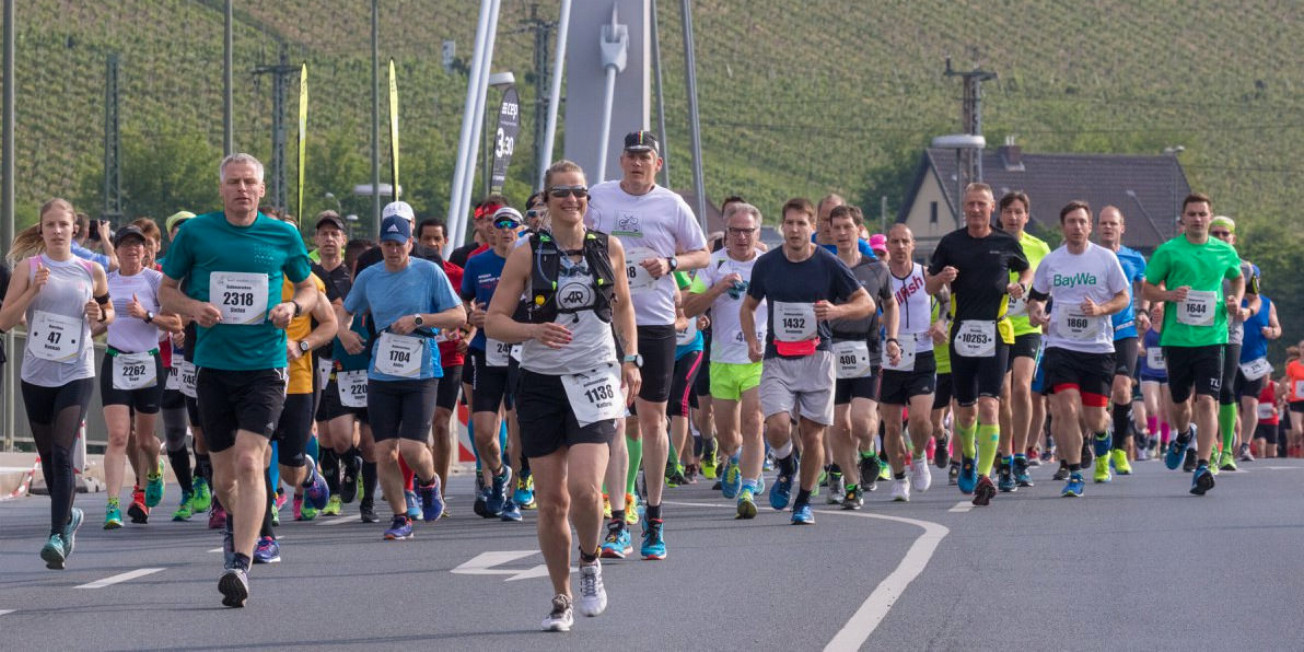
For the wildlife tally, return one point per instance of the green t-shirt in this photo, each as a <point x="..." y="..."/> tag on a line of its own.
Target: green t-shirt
<point x="209" y="244"/>
<point x="1034" y="249"/>
<point x="941" y="352"/>
<point x="1179" y="263"/>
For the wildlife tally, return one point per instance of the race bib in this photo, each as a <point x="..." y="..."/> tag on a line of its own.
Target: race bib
<point x="55" y="337"/>
<point x="595" y="395"/>
<point x="173" y="382"/>
<point x="795" y="322"/>
<point x="639" y="278"/>
<point x="241" y="296"/>
<point x="907" y="362"/>
<point x="852" y="357"/>
<point x="975" y="339"/>
<point x="188" y="372"/>
<point x="1265" y="411"/>
<point x="496" y="353"/>
<point x="1074" y="325"/>
<point x="1155" y="359"/>
<point x="353" y="388"/>
<point x="1198" y="309"/>
<point x="134" y="371"/>
<point x="400" y="355"/>
<point x="1298" y="386"/>
<point x="1256" y="369"/>
<point x="1017" y="307"/>
<point x="686" y="336"/>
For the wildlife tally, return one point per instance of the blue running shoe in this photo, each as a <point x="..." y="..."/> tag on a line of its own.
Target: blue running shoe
<point x="413" y="504"/>
<point x="968" y="478"/>
<point x="781" y="492"/>
<point x="524" y="494"/>
<point x="432" y="504"/>
<point x="1102" y="445"/>
<point x="760" y="485"/>
<point x="654" y="544"/>
<point x="315" y="491"/>
<point x="268" y="551"/>
<point x="1074" y="487"/>
<point x="498" y="494"/>
<point x="399" y="529"/>
<point x="733" y="480"/>
<point x="53" y="552"/>
<point x="1176" y="453"/>
<point x="69" y="532"/>
<point x="1201" y="480"/>
<point x="802" y="515"/>
<point x="511" y="513"/>
<point x="618" y="542"/>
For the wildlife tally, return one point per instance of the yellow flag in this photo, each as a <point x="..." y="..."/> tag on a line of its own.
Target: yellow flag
<point x="303" y="129"/>
<point x="393" y="127"/>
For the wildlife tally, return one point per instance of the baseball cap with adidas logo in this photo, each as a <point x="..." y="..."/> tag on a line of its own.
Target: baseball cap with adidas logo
<point x="395" y="228"/>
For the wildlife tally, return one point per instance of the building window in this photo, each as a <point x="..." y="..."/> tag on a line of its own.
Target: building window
<point x="932" y="213"/>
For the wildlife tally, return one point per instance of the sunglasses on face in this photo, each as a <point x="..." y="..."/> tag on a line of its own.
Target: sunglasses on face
<point x="507" y="224"/>
<point x="562" y="192"/>
<point x="532" y="213"/>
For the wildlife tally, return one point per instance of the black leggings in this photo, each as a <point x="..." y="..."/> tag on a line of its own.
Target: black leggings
<point x="56" y="414"/>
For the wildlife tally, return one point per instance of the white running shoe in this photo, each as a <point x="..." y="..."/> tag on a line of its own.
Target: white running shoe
<point x="560" y="618"/>
<point x="901" y="490"/>
<point x="920" y="477"/>
<point x="593" y="596"/>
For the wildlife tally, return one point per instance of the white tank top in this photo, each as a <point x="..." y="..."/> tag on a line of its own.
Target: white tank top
<point x="592" y="343"/>
<point x="62" y="301"/>
<point x="130" y="334"/>
<point x="913" y="306"/>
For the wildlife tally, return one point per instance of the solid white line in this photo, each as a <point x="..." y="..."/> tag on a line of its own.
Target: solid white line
<point x="109" y="581"/>
<point x="961" y="507"/>
<point x="6" y="611"/>
<point x="337" y="521"/>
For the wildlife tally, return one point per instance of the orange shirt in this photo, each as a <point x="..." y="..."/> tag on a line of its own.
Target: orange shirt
<point x="299" y="328"/>
<point x="1295" y="381"/>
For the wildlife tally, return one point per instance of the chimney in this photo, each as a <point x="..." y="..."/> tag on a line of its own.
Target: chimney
<point x="1011" y="155"/>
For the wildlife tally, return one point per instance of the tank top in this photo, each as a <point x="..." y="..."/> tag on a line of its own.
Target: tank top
<point x="914" y="308"/>
<point x="131" y="334"/>
<point x="57" y="318"/>
<point x="592" y="343"/>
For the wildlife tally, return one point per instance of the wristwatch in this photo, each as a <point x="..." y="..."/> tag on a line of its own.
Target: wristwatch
<point x="416" y="319"/>
<point x="304" y="347"/>
<point x="673" y="261"/>
<point x="636" y="359"/>
<point x="149" y="317"/>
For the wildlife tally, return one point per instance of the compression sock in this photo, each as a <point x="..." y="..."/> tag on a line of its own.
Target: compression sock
<point x="966" y="435"/>
<point x="180" y="461"/>
<point x="1122" y="421"/>
<point x="274" y="469"/>
<point x="989" y="440"/>
<point x="330" y="467"/>
<point x="635" y="447"/>
<point x="369" y="480"/>
<point x="1227" y="424"/>
<point x="1152" y="425"/>
<point x="1166" y="432"/>
<point x="312" y="448"/>
<point x="204" y="465"/>
<point x="1007" y="461"/>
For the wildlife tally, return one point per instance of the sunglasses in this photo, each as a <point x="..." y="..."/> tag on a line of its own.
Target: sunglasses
<point x="532" y="213"/>
<point x="507" y="224"/>
<point x="562" y="192"/>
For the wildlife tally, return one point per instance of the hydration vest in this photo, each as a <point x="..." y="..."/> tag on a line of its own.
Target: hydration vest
<point x="542" y="304"/>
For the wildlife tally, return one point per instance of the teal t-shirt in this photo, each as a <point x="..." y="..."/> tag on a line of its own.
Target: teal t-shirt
<point x="209" y="243"/>
<point x="1202" y="267"/>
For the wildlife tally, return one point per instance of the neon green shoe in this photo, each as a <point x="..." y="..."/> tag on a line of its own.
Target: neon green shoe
<point x="332" y="507"/>
<point x="203" y="500"/>
<point x="154" y="486"/>
<point x="112" y="516"/>
<point x="746" y="505"/>
<point x="884" y="471"/>
<point x="1100" y="474"/>
<point x="186" y="509"/>
<point x="1119" y="460"/>
<point x="820" y="482"/>
<point x="1228" y="461"/>
<point x="308" y="512"/>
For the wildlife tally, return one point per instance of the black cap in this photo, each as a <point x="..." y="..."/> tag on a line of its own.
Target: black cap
<point x="127" y="232"/>
<point x="641" y="141"/>
<point x="331" y="219"/>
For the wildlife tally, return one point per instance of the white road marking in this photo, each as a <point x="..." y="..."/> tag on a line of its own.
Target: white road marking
<point x="338" y="521"/>
<point x="215" y="550"/>
<point x="116" y="579"/>
<point x="961" y="507"/>
<point x="6" y="611"/>
<point x="874" y="609"/>
<point x="483" y="564"/>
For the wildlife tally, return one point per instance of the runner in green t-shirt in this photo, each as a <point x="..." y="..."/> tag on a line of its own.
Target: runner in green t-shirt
<point x="1187" y="273"/>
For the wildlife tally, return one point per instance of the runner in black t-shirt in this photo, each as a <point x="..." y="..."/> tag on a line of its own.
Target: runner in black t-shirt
<point x="975" y="262"/>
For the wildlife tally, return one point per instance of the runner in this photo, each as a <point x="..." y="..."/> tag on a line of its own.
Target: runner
<point x="410" y="299"/>
<point x="483" y="224"/>
<point x="1254" y="371"/>
<point x="1087" y="284"/>
<point x="1269" y="421"/>
<point x="1017" y="407"/>
<point x="975" y="262"/>
<point x="939" y="331"/>
<point x="1192" y="267"/>
<point x="660" y="235"/>
<point x="1294" y="392"/>
<point x="1224" y="228"/>
<point x="1154" y="385"/>
<point x="233" y="262"/>
<point x="1136" y="314"/>
<point x="805" y="287"/>
<point x="60" y="296"/>
<point x="735" y="378"/>
<point x="910" y="381"/>
<point x="688" y="359"/>
<point x="570" y="396"/>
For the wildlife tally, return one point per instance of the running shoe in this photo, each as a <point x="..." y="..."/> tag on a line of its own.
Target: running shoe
<point x="481" y="495"/>
<point x="276" y="518"/>
<point x="524" y="494"/>
<point x="216" y="517"/>
<point x="781" y="492"/>
<point x="1228" y="462"/>
<point x="1074" y="487"/>
<point x="901" y="490"/>
<point x="187" y="507"/>
<point x="803" y="515"/>
<point x="268" y="551"/>
<point x="618" y="543"/>
<point x="732" y="481"/>
<point x="333" y="507"/>
<point x="760" y="485"/>
<point x="884" y="471"/>
<point x="561" y="617"/>
<point x="953" y="473"/>
<point x="1246" y="455"/>
<point x="112" y="517"/>
<point x="921" y="478"/>
<point x="139" y="511"/>
<point x="1118" y="458"/>
<point x="1201" y="480"/>
<point x="768" y="464"/>
<point x="1101" y="444"/>
<point x="869" y="472"/>
<point x="1088" y="452"/>
<point x="234" y="585"/>
<point x="654" y="544"/>
<point x="968" y="479"/>
<point x="606" y="506"/>
<point x="154" y="486"/>
<point x="203" y="496"/>
<point x="308" y="512"/>
<point x="52" y="552"/>
<point x="432" y="501"/>
<point x="414" y="504"/>
<point x="632" y="508"/>
<point x="1188" y="464"/>
<point x="1005" y="479"/>
<point x="593" y="596"/>
<point x="1033" y="458"/>
<point x="1143" y="454"/>
<point x="511" y="513"/>
<point x="675" y="475"/>
<point x="498" y="492"/>
<point x="367" y="512"/>
<point x="1062" y="473"/>
<point x="1101" y="473"/>
<point x="399" y="529"/>
<point x="984" y="491"/>
<point x="837" y="485"/>
<point x="69" y="532"/>
<point x="315" y="491"/>
<point x="296" y="509"/>
<point x="942" y="451"/>
<point x="351" y="484"/>
<point x="1176" y="453"/>
<point x="280" y="499"/>
<point x="708" y="467"/>
<point x="691" y="471"/>
<point x="1021" y="476"/>
<point x="746" y="504"/>
<point x="852" y="500"/>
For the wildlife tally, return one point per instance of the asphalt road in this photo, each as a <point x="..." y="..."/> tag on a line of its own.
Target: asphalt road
<point x="1136" y="564"/>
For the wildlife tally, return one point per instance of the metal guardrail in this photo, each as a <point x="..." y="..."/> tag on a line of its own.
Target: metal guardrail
<point x="97" y="433"/>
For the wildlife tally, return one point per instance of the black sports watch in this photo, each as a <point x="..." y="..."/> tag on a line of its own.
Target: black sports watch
<point x="673" y="261"/>
<point x="637" y="359"/>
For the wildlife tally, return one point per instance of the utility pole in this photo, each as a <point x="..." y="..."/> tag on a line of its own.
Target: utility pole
<point x="971" y="117"/>
<point x="228" y="85"/>
<point x="112" y="144"/>
<point x="542" y="78"/>
<point x="281" y="74"/>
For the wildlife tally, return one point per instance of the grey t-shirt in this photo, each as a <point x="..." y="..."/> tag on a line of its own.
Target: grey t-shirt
<point x="874" y="276"/>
